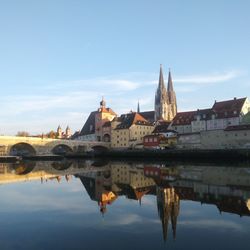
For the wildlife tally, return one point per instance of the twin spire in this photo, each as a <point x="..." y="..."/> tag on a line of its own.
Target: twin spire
<point x="165" y="99"/>
<point x="161" y="80"/>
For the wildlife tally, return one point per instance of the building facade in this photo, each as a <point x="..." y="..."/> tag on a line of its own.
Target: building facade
<point x="128" y="130"/>
<point x="220" y="116"/>
<point x="98" y="126"/>
<point x="60" y="134"/>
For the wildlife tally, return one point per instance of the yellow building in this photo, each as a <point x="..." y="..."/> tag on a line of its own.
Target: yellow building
<point x="128" y="130"/>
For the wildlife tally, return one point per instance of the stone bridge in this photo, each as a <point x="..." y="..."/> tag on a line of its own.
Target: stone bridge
<point x="33" y="146"/>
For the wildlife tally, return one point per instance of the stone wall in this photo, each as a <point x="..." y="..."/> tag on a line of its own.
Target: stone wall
<point x="215" y="139"/>
<point x="222" y="139"/>
<point x="190" y="140"/>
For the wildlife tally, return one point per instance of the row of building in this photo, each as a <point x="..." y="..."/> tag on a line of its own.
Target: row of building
<point x="164" y="126"/>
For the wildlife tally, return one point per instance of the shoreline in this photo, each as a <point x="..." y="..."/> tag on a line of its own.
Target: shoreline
<point x="147" y="154"/>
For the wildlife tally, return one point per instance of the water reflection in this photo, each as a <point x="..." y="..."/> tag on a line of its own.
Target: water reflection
<point x="226" y="188"/>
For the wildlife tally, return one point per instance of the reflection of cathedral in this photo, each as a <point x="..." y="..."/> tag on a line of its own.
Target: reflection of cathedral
<point x="116" y="180"/>
<point x="226" y="188"/>
<point x="168" y="205"/>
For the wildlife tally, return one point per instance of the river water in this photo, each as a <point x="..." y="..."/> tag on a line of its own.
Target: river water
<point x="124" y="205"/>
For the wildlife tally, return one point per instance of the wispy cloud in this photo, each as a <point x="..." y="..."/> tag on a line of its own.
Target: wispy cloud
<point x="65" y="101"/>
<point x="209" y="78"/>
<point x="112" y="83"/>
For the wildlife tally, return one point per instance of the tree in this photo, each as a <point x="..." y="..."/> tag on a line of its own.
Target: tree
<point x="52" y="134"/>
<point x="22" y="133"/>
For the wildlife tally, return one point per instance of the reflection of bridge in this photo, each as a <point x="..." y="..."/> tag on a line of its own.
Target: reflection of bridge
<point x="31" y="146"/>
<point x="29" y="171"/>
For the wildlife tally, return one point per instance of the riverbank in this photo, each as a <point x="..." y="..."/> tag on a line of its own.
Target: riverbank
<point x="178" y="154"/>
<point x="147" y="154"/>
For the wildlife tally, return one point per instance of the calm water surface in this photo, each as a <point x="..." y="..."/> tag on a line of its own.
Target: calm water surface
<point x="118" y="205"/>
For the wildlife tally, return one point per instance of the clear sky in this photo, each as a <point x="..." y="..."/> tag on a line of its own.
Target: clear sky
<point x="59" y="57"/>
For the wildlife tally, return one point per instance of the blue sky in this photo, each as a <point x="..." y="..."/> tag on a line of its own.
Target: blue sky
<point x="58" y="58"/>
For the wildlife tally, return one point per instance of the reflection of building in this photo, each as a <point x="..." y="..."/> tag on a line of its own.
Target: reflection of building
<point x="99" y="187"/>
<point x="116" y="180"/>
<point x="168" y="204"/>
<point x="131" y="179"/>
<point x="227" y="188"/>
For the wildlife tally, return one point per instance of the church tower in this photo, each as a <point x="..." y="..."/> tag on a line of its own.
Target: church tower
<point x="172" y="98"/>
<point x="165" y="99"/>
<point x="59" y="132"/>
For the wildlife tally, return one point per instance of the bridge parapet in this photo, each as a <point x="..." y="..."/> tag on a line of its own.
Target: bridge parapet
<point x="44" y="146"/>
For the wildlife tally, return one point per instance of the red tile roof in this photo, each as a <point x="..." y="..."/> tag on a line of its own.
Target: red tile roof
<point x="184" y="118"/>
<point x="127" y="120"/>
<point x="221" y="110"/>
<point x="107" y="110"/>
<point x="230" y="108"/>
<point x="148" y="115"/>
<point x="162" y="128"/>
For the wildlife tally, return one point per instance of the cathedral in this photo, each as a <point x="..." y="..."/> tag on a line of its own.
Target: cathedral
<point x="165" y="99"/>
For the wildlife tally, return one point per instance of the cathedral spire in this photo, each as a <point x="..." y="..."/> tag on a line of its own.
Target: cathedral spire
<point x="170" y="83"/>
<point x="138" y="107"/>
<point x="161" y="79"/>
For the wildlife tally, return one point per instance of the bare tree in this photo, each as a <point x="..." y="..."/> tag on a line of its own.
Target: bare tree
<point x="22" y="133"/>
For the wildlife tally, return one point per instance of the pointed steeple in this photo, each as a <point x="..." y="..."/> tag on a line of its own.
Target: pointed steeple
<point x="161" y="99"/>
<point x="170" y="83"/>
<point x="161" y="85"/>
<point x="138" y="107"/>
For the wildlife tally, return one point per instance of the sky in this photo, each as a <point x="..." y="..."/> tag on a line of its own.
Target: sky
<point x="58" y="58"/>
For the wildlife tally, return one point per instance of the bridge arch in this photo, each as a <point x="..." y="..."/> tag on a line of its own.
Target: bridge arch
<point x="22" y="149"/>
<point x="24" y="168"/>
<point x="62" y="149"/>
<point x="61" y="165"/>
